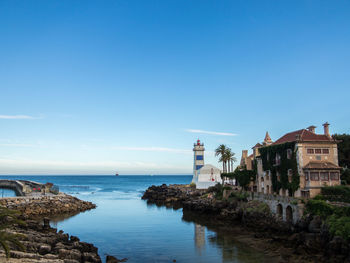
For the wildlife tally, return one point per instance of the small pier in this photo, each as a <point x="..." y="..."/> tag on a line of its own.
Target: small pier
<point x="27" y="188"/>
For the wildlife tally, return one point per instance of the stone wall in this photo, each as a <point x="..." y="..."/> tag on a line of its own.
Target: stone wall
<point x="287" y="208"/>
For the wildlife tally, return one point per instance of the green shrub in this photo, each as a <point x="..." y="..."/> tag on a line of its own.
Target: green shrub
<point x="193" y="185"/>
<point x="215" y="189"/>
<point x="320" y="208"/>
<point x="339" y="193"/>
<point x="339" y="226"/>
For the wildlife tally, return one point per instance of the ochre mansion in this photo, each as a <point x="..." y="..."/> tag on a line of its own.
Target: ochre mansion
<point x="298" y="164"/>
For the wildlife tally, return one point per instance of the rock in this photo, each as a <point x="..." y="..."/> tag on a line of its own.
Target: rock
<point x="71" y="261"/>
<point x="111" y="259"/>
<point x="315" y="225"/>
<point x="44" y="249"/>
<point x="74" y="238"/>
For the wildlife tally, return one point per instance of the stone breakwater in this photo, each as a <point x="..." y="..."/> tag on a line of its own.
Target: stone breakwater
<point x="50" y="205"/>
<point x="45" y="245"/>
<point x="307" y="241"/>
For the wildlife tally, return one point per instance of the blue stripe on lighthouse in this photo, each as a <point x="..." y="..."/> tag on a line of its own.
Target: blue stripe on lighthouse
<point x="199" y="157"/>
<point x="198" y="167"/>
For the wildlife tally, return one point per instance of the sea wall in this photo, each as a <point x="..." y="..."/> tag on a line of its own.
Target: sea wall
<point x="46" y="205"/>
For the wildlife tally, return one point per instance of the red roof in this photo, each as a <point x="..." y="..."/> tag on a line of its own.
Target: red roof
<point x="303" y="135"/>
<point x="321" y="165"/>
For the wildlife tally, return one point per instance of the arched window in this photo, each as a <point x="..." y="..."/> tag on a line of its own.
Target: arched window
<point x="289" y="153"/>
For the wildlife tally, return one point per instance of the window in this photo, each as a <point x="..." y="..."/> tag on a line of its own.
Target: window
<point x="310" y="151"/>
<point x="278" y="159"/>
<point x="334" y="176"/>
<point x="325" y="151"/>
<point x="289" y="153"/>
<point x="318" y="151"/>
<point x="324" y="176"/>
<point x="307" y="176"/>
<point x="314" y="176"/>
<point x="199" y="157"/>
<point x="290" y="174"/>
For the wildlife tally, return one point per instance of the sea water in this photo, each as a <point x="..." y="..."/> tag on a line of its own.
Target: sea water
<point x="125" y="226"/>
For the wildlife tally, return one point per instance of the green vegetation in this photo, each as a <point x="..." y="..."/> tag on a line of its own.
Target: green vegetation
<point x="336" y="217"/>
<point x="243" y="177"/>
<point x="239" y="196"/>
<point x="8" y="218"/>
<point x="227" y="157"/>
<point x="258" y="207"/>
<point x="193" y="185"/>
<point x="270" y="155"/>
<point x="345" y="176"/>
<point x="339" y="193"/>
<point x="344" y="156"/>
<point x="217" y="189"/>
<point x="343" y="149"/>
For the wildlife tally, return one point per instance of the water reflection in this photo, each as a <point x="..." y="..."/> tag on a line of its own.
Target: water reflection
<point x="7" y="193"/>
<point x="199" y="238"/>
<point x="227" y="239"/>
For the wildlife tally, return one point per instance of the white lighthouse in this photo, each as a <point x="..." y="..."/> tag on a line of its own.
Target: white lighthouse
<point x="204" y="176"/>
<point x="198" y="161"/>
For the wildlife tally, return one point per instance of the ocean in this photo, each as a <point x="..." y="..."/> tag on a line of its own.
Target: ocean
<point x="125" y="226"/>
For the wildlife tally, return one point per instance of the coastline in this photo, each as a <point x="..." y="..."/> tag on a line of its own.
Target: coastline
<point x="42" y="242"/>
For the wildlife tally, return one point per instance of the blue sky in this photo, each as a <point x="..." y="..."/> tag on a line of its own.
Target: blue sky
<point x="94" y="87"/>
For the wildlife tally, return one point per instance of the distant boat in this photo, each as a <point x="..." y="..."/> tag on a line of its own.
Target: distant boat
<point x="116" y="174"/>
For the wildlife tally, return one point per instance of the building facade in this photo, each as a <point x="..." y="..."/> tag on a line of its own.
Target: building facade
<point x="298" y="164"/>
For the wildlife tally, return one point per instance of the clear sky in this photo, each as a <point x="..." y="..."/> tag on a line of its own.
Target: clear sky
<point x="94" y="87"/>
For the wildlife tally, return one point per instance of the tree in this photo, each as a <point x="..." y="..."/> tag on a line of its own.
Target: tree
<point x="9" y="218"/>
<point x="230" y="158"/>
<point x="343" y="149"/>
<point x="243" y="177"/>
<point x="220" y="151"/>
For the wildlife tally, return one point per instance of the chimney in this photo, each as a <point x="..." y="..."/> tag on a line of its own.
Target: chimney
<point x="326" y="129"/>
<point x="244" y="156"/>
<point x="311" y="128"/>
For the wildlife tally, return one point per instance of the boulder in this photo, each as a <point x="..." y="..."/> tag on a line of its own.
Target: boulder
<point x="44" y="249"/>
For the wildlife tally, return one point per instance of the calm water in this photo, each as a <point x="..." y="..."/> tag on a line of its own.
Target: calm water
<point x="123" y="225"/>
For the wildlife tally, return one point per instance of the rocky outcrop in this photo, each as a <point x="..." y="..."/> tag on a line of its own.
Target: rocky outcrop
<point x="173" y="195"/>
<point x="45" y="244"/>
<point x="50" y="205"/>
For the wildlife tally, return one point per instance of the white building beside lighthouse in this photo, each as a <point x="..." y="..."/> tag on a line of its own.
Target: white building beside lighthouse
<point x="204" y="175"/>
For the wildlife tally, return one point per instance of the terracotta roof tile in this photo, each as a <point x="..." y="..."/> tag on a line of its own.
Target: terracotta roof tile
<point x="303" y="135"/>
<point x="321" y="165"/>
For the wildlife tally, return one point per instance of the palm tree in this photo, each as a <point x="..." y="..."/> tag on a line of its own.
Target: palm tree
<point x="9" y="218"/>
<point x="220" y="151"/>
<point x="230" y="156"/>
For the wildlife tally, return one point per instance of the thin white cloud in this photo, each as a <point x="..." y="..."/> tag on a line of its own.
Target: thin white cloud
<point x="16" y="117"/>
<point x="153" y="149"/>
<point x="211" y="132"/>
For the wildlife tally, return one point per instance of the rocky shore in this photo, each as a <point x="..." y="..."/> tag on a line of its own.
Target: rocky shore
<point x="307" y="241"/>
<point x="43" y="243"/>
<point x="46" y="205"/>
